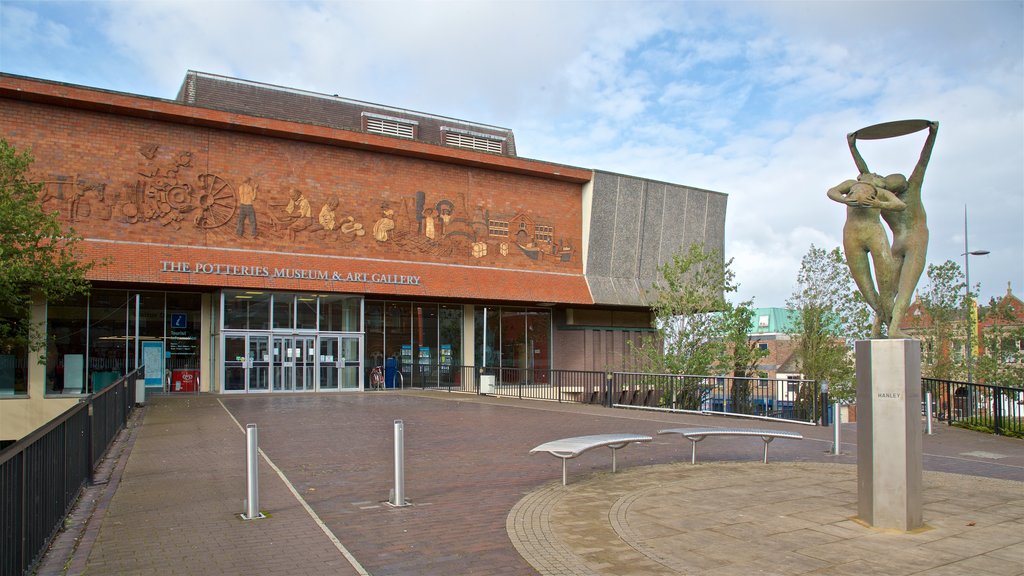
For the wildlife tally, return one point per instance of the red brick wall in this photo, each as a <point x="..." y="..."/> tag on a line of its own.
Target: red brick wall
<point x="135" y="188"/>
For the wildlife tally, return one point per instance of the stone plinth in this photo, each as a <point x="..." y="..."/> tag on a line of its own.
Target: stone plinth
<point x="889" y="433"/>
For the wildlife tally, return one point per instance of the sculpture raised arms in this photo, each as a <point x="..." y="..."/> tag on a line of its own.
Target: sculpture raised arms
<point x="909" y="223"/>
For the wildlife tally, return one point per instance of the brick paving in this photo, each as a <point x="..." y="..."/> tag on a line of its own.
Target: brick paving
<point x="469" y="478"/>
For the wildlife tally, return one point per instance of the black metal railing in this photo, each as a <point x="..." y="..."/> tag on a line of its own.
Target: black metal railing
<point x="41" y="475"/>
<point x="787" y="399"/>
<point x="988" y="407"/>
<point x="760" y="397"/>
<point x="558" y="385"/>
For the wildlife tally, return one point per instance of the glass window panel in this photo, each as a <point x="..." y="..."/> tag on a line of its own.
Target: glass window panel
<point x="66" y="324"/>
<point x="450" y="335"/>
<point x="151" y="314"/>
<point x="374" y="334"/>
<point x="340" y="313"/>
<point x="246" y="310"/>
<point x="13" y="369"/>
<point x="306" y="315"/>
<point x="398" y="338"/>
<point x="111" y="336"/>
<point x="514" y="350"/>
<point x="284" y="311"/>
<point x="425" y="344"/>
<point x="538" y="340"/>
<point x="183" y="320"/>
<point x="487" y="345"/>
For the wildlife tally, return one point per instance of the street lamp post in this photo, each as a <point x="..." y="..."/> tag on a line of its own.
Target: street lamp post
<point x="967" y="296"/>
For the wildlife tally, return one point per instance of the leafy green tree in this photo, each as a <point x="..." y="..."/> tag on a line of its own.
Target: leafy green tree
<point x="744" y="354"/>
<point x="943" y="334"/>
<point x="700" y="332"/>
<point x="1002" y="358"/>
<point x="37" y="256"/>
<point x="830" y="314"/>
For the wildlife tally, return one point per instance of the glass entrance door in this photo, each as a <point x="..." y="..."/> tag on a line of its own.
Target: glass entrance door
<point x="339" y="362"/>
<point x="246" y="363"/>
<point x="287" y="363"/>
<point x="259" y="363"/>
<point x="294" y="359"/>
<point x="235" y="364"/>
<point x="330" y="363"/>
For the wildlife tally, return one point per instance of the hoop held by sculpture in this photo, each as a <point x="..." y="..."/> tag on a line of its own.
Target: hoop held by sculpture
<point x="893" y="129"/>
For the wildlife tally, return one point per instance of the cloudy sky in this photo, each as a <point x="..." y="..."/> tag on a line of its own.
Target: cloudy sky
<point x="751" y="99"/>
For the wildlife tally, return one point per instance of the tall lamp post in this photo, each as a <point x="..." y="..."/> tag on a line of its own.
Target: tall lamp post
<point x="967" y="296"/>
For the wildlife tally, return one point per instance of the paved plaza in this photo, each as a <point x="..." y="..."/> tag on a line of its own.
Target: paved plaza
<point x="481" y="504"/>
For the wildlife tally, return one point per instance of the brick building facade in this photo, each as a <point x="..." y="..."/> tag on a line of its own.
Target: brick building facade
<point x="257" y="238"/>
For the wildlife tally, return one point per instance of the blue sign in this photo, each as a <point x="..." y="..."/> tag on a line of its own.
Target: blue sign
<point x="153" y="361"/>
<point x="179" y="321"/>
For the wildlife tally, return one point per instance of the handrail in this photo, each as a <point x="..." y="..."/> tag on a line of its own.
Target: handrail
<point x="42" y="474"/>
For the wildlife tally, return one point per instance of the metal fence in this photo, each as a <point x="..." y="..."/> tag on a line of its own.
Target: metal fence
<point x="41" y="475"/>
<point x="770" y="398"/>
<point x="556" y="385"/>
<point x="984" y="406"/>
<point x="756" y="397"/>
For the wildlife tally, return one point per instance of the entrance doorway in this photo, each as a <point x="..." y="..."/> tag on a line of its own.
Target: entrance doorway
<point x="295" y="362"/>
<point x="291" y="363"/>
<point x="339" y="362"/>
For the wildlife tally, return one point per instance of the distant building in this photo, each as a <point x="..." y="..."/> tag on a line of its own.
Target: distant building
<point x="1002" y="324"/>
<point x="1002" y="320"/>
<point x="771" y="330"/>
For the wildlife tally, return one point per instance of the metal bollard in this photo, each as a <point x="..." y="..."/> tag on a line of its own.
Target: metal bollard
<point x="398" y="498"/>
<point x="835" y="429"/>
<point x="252" y="461"/>
<point x="928" y="412"/>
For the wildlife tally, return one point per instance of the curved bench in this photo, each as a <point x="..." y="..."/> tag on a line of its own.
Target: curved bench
<point x="572" y="447"/>
<point x="695" y="435"/>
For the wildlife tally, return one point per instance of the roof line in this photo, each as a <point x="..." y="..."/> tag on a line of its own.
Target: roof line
<point x="337" y="98"/>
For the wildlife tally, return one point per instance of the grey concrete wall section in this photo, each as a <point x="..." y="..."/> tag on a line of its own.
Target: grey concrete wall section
<point x="651" y="233"/>
<point x="602" y="221"/>
<point x="695" y="219"/>
<point x="889" y="444"/>
<point x="629" y="212"/>
<point x="714" y="234"/>
<point x="637" y="225"/>
<point x="673" y="222"/>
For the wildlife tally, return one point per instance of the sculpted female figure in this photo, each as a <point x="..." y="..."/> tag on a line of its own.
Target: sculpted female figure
<point x="864" y="236"/>
<point x="910" y="225"/>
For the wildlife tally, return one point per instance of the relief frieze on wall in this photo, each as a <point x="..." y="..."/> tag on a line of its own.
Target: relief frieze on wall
<point x="168" y="192"/>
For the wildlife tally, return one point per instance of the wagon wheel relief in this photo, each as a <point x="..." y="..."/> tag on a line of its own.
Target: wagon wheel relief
<point x="216" y="201"/>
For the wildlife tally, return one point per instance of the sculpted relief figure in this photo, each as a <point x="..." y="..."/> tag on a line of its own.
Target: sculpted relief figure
<point x="247" y="191"/>
<point x="906" y="219"/>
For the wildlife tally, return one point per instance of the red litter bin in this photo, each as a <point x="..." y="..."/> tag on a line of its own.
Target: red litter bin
<point x="184" y="380"/>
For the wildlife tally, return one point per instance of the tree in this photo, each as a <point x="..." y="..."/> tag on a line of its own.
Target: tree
<point x="745" y="354"/>
<point x="700" y="333"/>
<point x="37" y="256"/>
<point x="830" y="314"/>
<point x="943" y="332"/>
<point x="1001" y="361"/>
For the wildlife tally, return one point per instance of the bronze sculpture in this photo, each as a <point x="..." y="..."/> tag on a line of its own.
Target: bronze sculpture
<point x="898" y="201"/>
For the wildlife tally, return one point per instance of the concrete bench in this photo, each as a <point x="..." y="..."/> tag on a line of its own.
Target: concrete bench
<point x="572" y="447"/>
<point x="695" y="435"/>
